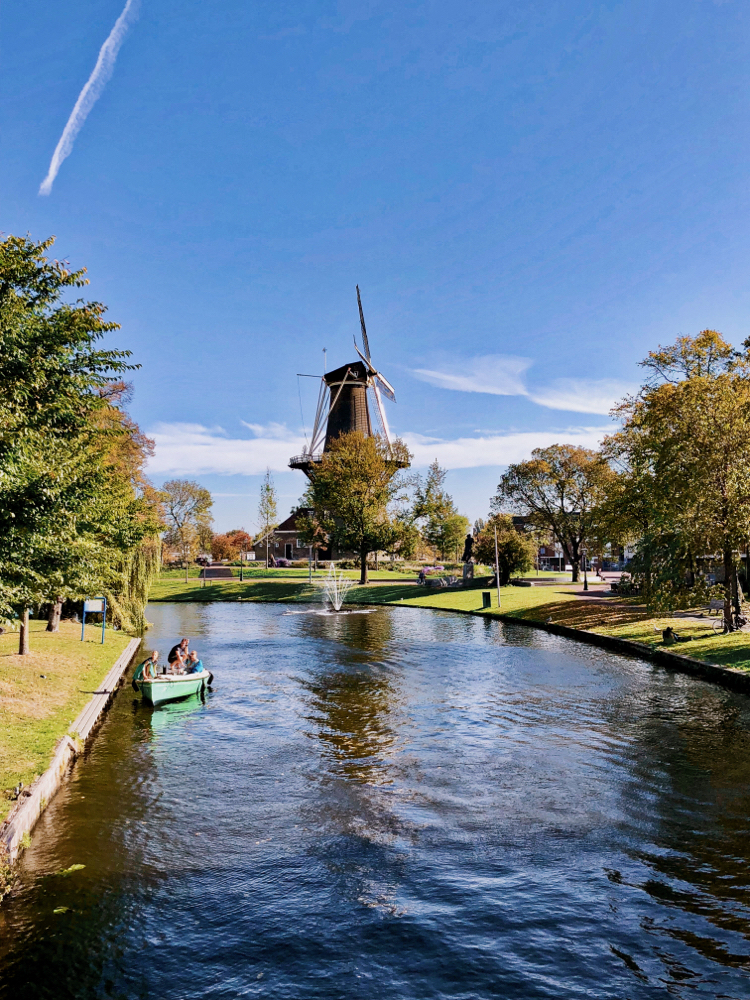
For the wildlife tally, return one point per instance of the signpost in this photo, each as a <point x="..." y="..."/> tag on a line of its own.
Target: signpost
<point x="94" y="605"/>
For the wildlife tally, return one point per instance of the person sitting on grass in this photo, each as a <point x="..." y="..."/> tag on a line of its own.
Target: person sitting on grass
<point x="670" y="637"/>
<point x="193" y="665"/>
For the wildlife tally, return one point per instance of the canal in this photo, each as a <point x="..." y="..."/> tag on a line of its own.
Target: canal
<point x="395" y="804"/>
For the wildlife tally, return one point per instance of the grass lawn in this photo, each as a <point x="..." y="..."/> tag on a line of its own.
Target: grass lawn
<point x="35" y="711"/>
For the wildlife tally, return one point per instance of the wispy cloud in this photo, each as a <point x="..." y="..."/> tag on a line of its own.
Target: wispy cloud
<point x="581" y="395"/>
<point x="495" y="449"/>
<point x="192" y="449"/>
<point x="90" y="94"/>
<point x="498" y="374"/>
<point x="504" y="375"/>
<point x="195" y="449"/>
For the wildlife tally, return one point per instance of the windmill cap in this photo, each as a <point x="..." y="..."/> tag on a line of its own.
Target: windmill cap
<point x="356" y="370"/>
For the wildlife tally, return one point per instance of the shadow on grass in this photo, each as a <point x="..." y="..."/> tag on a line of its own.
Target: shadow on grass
<point x="267" y="590"/>
<point x="585" y="614"/>
<point x="380" y="594"/>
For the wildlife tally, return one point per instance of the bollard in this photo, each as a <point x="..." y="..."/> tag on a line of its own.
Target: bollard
<point x="486" y="599"/>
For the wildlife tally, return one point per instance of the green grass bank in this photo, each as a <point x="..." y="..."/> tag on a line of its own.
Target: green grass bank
<point x="42" y="693"/>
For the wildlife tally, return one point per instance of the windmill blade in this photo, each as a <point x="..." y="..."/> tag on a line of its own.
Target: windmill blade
<point x="364" y="329"/>
<point x="381" y="414"/>
<point x="386" y="386"/>
<point x="368" y="364"/>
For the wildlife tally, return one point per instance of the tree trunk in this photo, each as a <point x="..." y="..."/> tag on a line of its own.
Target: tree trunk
<point x="363" y="567"/>
<point x="575" y="562"/>
<point x="728" y="573"/>
<point x="23" y="637"/>
<point x="187" y="569"/>
<point x="53" y="617"/>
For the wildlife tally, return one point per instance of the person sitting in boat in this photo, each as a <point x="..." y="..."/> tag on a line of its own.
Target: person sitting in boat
<point x="177" y="654"/>
<point x="193" y="664"/>
<point x="148" y="669"/>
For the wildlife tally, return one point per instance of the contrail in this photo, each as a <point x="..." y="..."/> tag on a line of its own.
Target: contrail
<point x="90" y="94"/>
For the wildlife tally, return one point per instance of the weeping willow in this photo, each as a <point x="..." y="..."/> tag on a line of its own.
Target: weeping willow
<point x="129" y="585"/>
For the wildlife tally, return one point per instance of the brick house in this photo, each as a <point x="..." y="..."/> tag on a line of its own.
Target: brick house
<point x="285" y="543"/>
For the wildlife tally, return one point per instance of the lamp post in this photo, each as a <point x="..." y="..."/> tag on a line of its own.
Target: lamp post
<point x="497" y="569"/>
<point x="585" y="576"/>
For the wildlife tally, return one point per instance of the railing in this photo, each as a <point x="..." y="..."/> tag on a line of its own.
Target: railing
<point x="305" y="458"/>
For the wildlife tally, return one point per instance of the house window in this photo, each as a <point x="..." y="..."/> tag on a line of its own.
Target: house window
<point x="276" y="545"/>
<point x="299" y="543"/>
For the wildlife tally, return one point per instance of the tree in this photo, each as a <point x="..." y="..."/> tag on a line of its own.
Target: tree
<point x="515" y="548"/>
<point x="442" y="526"/>
<point x="267" y="508"/>
<point x="230" y="545"/>
<point x="405" y="537"/>
<point x="559" y="489"/>
<point x="433" y="506"/>
<point x="187" y="511"/>
<point x="56" y="471"/>
<point x="224" y="547"/>
<point x="685" y="452"/>
<point x="311" y="532"/>
<point x="352" y="488"/>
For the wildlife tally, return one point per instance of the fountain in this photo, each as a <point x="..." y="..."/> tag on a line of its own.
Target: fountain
<point x="335" y="587"/>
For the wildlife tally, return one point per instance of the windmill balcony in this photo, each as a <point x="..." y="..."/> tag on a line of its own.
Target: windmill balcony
<point x="306" y="459"/>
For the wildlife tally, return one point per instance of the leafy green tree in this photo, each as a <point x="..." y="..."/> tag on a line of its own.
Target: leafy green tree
<point x="684" y="449"/>
<point x="515" y="548"/>
<point x="560" y="489"/>
<point x="268" y="508"/>
<point x="351" y="491"/>
<point x="53" y="382"/>
<point x="187" y="512"/>
<point x="442" y="526"/>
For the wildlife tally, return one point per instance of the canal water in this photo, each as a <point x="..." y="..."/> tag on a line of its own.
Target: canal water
<point x="401" y="804"/>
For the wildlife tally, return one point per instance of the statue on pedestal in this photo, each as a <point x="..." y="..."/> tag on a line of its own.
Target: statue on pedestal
<point x="468" y="558"/>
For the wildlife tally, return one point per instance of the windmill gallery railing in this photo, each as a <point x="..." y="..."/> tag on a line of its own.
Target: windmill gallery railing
<point x="305" y="458"/>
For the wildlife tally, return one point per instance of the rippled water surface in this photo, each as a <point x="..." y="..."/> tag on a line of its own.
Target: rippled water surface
<point x="400" y="804"/>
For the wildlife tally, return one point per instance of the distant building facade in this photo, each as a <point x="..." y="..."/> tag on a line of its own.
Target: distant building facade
<point x="284" y="542"/>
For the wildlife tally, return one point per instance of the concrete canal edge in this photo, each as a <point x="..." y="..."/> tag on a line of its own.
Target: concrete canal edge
<point x="22" y="818"/>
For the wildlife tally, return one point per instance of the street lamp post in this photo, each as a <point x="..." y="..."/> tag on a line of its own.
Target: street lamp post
<point x="585" y="575"/>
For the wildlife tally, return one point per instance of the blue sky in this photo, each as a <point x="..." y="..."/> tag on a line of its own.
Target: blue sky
<point x="530" y="196"/>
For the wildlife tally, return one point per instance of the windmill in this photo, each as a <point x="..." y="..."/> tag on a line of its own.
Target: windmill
<point x="350" y="399"/>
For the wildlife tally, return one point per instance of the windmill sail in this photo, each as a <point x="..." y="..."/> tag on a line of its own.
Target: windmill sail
<point x="364" y="328"/>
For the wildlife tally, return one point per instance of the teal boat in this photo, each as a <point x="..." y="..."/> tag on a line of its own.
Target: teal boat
<point x="172" y="687"/>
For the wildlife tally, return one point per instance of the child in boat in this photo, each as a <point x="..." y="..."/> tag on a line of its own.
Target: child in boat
<point x="193" y="665"/>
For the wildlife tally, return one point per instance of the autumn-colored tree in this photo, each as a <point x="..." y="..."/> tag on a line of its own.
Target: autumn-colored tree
<point x="187" y="512"/>
<point x="224" y="547"/>
<point x="559" y="489"/>
<point x="352" y="489"/>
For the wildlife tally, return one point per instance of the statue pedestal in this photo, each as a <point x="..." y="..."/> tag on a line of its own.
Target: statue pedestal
<point x="468" y="571"/>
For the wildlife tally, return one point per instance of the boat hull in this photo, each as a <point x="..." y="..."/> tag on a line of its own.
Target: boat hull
<point x="169" y="687"/>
